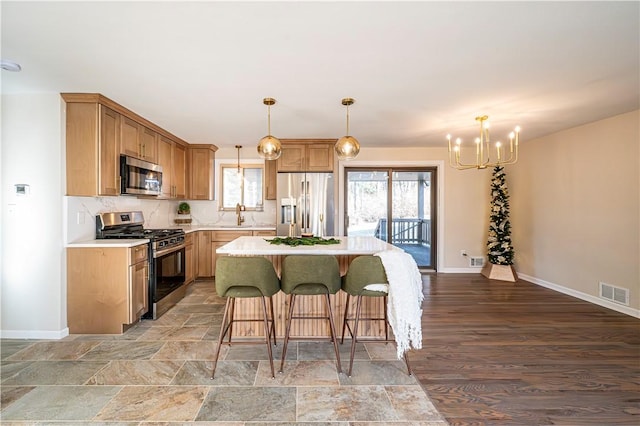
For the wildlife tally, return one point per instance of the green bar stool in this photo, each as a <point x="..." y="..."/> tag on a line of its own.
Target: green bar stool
<point x="306" y="276"/>
<point x="245" y="277"/>
<point x="365" y="271"/>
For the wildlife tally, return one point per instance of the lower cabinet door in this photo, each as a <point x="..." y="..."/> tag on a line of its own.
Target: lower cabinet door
<point x="138" y="290"/>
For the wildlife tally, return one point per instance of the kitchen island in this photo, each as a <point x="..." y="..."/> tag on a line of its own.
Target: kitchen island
<point x="348" y="249"/>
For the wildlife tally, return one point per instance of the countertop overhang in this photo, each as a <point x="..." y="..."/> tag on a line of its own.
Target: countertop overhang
<point x="260" y="246"/>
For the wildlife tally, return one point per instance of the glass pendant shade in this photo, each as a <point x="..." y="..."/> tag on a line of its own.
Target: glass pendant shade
<point x="269" y="148"/>
<point x="347" y="148"/>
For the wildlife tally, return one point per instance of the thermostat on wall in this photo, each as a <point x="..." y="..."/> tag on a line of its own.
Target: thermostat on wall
<point x="22" y="189"/>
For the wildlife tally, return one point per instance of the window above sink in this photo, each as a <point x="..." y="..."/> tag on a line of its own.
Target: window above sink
<point x="242" y="184"/>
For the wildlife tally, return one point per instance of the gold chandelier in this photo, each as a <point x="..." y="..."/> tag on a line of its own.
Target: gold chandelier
<point x="483" y="155"/>
<point x="347" y="147"/>
<point x="269" y="146"/>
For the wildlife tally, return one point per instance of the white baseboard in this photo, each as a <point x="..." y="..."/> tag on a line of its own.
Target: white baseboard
<point x="460" y="270"/>
<point x="34" y="334"/>
<point x="583" y="296"/>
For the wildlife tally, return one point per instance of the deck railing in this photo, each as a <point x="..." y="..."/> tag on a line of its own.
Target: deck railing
<point x="405" y="231"/>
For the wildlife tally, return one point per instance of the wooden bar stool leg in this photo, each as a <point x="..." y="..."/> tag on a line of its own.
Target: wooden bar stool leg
<point x="221" y="336"/>
<point x="344" y="322"/>
<point x="233" y="306"/>
<point x="406" y="361"/>
<point x="267" y="339"/>
<point x="292" y="300"/>
<point x="273" y="321"/>
<point x="386" y="319"/>
<point x="354" y="338"/>
<point x="333" y="333"/>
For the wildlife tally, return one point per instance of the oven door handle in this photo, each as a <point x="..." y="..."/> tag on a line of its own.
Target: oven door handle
<point x="164" y="252"/>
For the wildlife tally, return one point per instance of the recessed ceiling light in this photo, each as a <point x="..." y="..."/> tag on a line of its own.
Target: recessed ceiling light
<point x="9" y="65"/>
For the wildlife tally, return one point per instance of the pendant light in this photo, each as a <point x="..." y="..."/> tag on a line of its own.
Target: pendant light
<point x="238" y="164"/>
<point x="347" y="147"/>
<point x="269" y="147"/>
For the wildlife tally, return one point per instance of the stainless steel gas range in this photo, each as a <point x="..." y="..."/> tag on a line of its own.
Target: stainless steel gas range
<point x="166" y="256"/>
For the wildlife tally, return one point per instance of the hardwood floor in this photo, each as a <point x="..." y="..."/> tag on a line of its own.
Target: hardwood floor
<point x="500" y="353"/>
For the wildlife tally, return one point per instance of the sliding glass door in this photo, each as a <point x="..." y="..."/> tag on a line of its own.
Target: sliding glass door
<point x="396" y="205"/>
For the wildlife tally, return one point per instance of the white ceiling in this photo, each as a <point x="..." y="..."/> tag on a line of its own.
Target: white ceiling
<point x="417" y="70"/>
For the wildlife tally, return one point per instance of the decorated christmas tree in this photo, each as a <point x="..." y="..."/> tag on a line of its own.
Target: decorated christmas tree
<point x="499" y="248"/>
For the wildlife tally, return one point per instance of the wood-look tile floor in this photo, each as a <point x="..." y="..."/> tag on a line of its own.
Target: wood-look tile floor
<point x="500" y="353"/>
<point x="158" y="372"/>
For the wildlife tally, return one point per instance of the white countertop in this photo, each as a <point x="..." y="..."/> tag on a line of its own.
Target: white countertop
<point x="192" y="228"/>
<point x="186" y="228"/>
<point x="108" y="243"/>
<point x="259" y="246"/>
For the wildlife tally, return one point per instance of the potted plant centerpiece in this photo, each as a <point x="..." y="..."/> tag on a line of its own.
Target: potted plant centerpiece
<point x="184" y="213"/>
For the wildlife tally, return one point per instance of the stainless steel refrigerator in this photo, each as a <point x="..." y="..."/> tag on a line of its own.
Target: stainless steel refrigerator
<point x="306" y="204"/>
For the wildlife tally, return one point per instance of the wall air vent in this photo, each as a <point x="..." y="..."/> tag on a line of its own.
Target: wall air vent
<point x="477" y="262"/>
<point x="615" y="294"/>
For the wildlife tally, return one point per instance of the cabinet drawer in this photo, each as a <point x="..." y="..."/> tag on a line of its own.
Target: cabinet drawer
<point x="264" y="233"/>
<point x="138" y="254"/>
<point x="228" y="235"/>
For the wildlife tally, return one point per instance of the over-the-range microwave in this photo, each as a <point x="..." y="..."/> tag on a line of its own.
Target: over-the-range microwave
<point x="138" y="177"/>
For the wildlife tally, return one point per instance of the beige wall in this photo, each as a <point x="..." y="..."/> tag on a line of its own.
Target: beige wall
<point x="575" y="207"/>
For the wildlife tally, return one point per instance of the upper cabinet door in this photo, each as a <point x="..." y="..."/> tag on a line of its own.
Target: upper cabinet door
<point x="201" y="170"/>
<point x="148" y="145"/>
<point x="270" y="179"/>
<point x="292" y="158"/>
<point x="109" y="164"/>
<point x="320" y="157"/>
<point x="165" y="152"/>
<point x="129" y="137"/>
<point x="138" y="141"/>
<point x="306" y="155"/>
<point x="179" y="171"/>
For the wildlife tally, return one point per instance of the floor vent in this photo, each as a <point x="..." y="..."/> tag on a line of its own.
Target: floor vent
<point x="614" y="294"/>
<point x="476" y="261"/>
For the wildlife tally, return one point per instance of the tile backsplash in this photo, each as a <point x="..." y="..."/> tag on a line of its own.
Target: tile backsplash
<point x="81" y="213"/>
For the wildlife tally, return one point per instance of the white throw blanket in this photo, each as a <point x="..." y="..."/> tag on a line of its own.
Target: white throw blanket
<point x="404" y="301"/>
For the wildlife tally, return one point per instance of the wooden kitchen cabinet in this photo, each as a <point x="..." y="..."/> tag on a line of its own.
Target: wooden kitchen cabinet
<point x="204" y="254"/>
<point x="98" y="130"/>
<point x="129" y="137"/>
<point x="148" y="144"/>
<point x="137" y="140"/>
<point x="107" y="288"/>
<point x="189" y="257"/>
<point x="138" y="283"/>
<point x="209" y="241"/>
<point x="201" y="172"/>
<point x="264" y="233"/>
<point x="270" y="179"/>
<point x="179" y="171"/>
<point x="306" y="155"/>
<point x="220" y="238"/>
<point x="92" y="145"/>
<point x="172" y="158"/>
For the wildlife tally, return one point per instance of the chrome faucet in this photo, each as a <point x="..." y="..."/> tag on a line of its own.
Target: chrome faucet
<point x="239" y="208"/>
